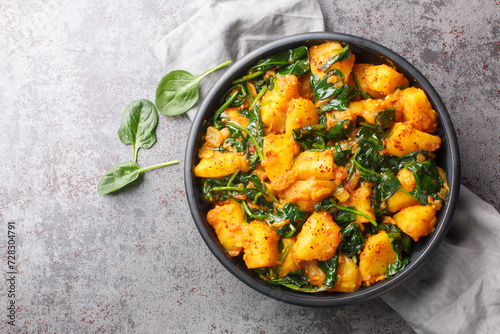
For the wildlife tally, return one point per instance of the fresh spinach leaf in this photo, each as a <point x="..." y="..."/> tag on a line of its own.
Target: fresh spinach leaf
<point x="177" y="91"/>
<point x="122" y="174"/>
<point x="138" y="125"/>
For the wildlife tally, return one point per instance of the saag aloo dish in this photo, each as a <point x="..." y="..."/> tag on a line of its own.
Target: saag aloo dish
<point x="321" y="169"/>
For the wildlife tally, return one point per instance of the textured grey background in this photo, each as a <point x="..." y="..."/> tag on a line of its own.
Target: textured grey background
<point x="134" y="262"/>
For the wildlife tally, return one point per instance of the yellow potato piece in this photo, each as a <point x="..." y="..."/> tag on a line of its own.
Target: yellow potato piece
<point x="279" y="151"/>
<point x="229" y="225"/>
<point x="306" y="193"/>
<point x="275" y="103"/>
<point x="318" y="164"/>
<point x="416" y="221"/>
<point x="400" y="200"/>
<point x="375" y="257"/>
<point x="234" y="115"/>
<point x="384" y="79"/>
<point x="404" y="139"/>
<point x="315" y="274"/>
<point x="360" y="199"/>
<point x="333" y="117"/>
<point x="416" y="109"/>
<point x="318" y="239"/>
<point x="368" y="109"/>
<point x="321" y="53"/>
<point x="301" y="112"/>
<point x="359" y="71"/>
<point x="261" y="245"/>
<point x="348" y="276"/>
<point x="289" y="263"/>
<point x="221" y="164"/>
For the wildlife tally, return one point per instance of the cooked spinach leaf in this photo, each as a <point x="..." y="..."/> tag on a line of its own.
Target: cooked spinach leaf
<point x="315" y="137"/>
<point x="343" y="55"/>
<point x="329" y="268"/>
<point x="284" y="58"/>
<point x="341" y="157"/>
<point x="352" y="241"/>
<point x="329" y="205"/>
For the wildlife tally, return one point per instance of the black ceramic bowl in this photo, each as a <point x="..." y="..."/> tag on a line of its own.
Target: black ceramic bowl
<point x="447" y="158"/>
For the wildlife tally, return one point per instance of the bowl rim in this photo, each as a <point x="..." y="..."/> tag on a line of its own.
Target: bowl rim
<point x="329" y="299"/>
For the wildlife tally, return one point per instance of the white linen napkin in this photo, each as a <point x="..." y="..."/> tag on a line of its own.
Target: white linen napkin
<point x="457" y="291"/>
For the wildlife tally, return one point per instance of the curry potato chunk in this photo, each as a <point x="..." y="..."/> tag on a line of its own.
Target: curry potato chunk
<point x="289" y="263"/>
<point x="359" y="72"/>
<point x="416" y="221"/>
<point x="404" y="139"/>
<point x="318" y="164"/>
<point x="261" y="245"/>
<point x="221" y="164"/>
<point x="275" y="103"/>
<point x="229" y="225"/>
<point x="301" y="112"/>
<point x="318" y="239"/>
<point x="234" y="115"/>
<point x="368" y="109"/>
<point x="360" y="199"/>
<point x="416" y="109"/>
<point x="323" y="52"/>
<point x="315" y="274"/>
<point x="306" y="193"/>
<point x="384" y="79"/>
<point x="279" y="151"/>
<point x="375" y="257"/>
<point x="400" y="200"/>
<point x="348" y="276"/>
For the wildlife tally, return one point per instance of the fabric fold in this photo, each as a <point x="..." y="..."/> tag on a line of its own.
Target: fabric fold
<point x="207" y="33"/>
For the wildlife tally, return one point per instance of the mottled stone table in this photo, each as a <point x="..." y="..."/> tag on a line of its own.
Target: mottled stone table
<point x="134" y="262"/>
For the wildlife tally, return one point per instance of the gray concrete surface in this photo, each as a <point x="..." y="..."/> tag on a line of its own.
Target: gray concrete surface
<point x="134" y="262"/>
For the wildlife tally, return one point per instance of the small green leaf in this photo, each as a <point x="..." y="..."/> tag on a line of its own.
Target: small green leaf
<point x="138" y="125"/>
<point x="118" y="176"/>
<point x="177" y="91"/>
<point x="124" y="173"/>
